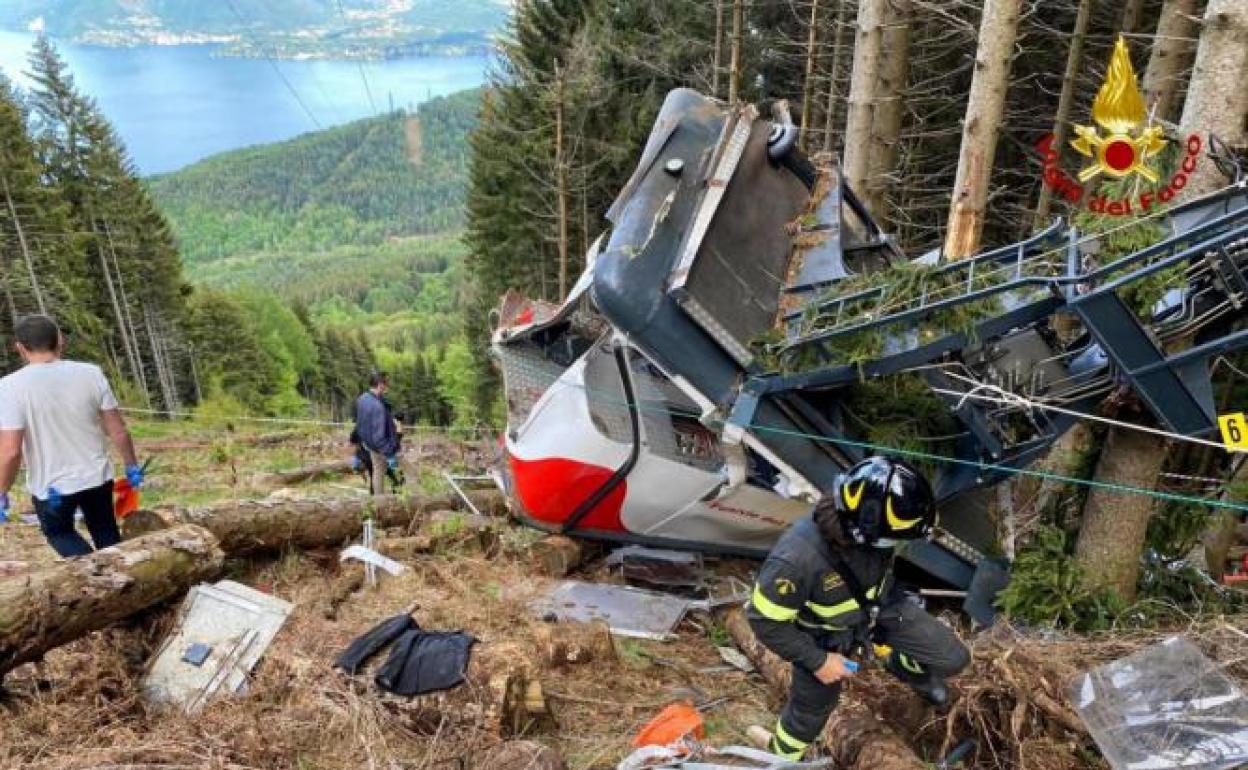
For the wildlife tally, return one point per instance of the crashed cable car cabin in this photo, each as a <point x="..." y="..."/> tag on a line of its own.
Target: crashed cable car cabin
<point x="645" y="410"/>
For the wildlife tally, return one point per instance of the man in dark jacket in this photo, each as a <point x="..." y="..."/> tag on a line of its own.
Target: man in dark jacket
<point x="376" y="429"/>
<point x="826" y="590"/>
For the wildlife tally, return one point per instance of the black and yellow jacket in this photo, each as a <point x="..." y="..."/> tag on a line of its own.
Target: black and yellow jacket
<point x="801" y="606"/>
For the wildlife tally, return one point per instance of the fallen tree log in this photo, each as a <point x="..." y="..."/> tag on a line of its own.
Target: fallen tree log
<point x="48" y="607"/>
<point x="252" y="526"/>
<point x="856" y="739"/>
<point x="300" y="475"/>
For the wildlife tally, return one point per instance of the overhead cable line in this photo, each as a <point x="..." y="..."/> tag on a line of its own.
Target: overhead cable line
<point x="273" y="63"/>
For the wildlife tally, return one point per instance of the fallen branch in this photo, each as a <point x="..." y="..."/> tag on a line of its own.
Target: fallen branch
<point x="300" y="475"/>
<point x="48" y="607"/>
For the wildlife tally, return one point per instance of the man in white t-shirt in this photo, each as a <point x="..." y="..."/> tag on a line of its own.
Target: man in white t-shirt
<point x="59" y="416"/>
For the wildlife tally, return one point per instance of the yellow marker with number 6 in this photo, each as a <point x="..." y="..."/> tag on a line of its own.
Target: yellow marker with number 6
<point x="1234" y="431"/>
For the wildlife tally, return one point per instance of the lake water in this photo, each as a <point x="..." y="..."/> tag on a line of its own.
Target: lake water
<point x="175" y="105"/>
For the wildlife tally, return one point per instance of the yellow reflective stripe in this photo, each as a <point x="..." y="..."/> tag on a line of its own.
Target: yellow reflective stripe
<point x="769" y="609"/>
<point x="789" y="741"/>
<point x="824" y="611"/>
<point x="909" y="663"/>
<point x="873" y="592"/>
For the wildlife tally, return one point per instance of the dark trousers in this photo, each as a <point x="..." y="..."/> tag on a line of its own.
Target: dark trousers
<point x="96" y="505"/>
<point x="904" y="626"/>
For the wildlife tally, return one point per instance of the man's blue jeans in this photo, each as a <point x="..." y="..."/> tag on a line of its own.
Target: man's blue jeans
<point x="96" y="505"/>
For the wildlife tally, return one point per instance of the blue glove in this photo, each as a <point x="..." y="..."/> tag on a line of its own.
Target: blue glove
<point x="355" y="463"/>
<point x="54" y="500"/>
<point x="4" y="507"/>
<point x="392" y="462"/>
<point x="134" y="474"/>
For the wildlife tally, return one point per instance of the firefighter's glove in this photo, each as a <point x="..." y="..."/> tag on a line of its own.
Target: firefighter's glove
<point x="356" y="465"/>
<point x="134" y="474"/>
<point x="392" y="462"/>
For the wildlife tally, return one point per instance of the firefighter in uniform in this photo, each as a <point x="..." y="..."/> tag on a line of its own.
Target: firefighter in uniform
<point x="826" y="591"/>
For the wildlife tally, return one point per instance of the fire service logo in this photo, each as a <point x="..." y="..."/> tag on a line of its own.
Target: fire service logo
<point x="1121" y="147"/>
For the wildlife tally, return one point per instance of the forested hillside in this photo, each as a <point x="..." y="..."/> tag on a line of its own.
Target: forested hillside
<point x="361" y="183"/>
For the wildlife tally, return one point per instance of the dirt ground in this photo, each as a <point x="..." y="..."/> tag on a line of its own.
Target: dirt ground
<point x="81" y="707"/>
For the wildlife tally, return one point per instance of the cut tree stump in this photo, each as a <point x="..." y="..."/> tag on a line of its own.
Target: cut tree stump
<point x="48" y="607"/>
<point x="300" y="475"/>
<point x="857" y="739"/>
<point x="556" y="555"/>
<point x="570" y="644"/>
<point x="251" y="526"/>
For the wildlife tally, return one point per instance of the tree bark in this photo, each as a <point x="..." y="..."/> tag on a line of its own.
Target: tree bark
<point x="716" y="57"/>
<point x="856" y="738"/>
<point x="886" y="129"/>
<point x="561" y="181"/>
<point x="808" y="82"/>
<point x="128" y="326"/>
<point x="1132" y="16"/>
<point x="1217" y="101"/>
<point x="1219" y="536"/>
<point x="1173" y="48"/>
<point x="131" y="353"/>
<point x="1111" y="537"/>
<point x="863" y="83"/>
<point x="269" y="525"/>
<point x="1061" y="121"/>
<point x="834" y="74"/>
<point x="738" y="39"/>
<point x="556" y="555"/>
<point x="984" y="109"/>
<point x="49" y="607"/>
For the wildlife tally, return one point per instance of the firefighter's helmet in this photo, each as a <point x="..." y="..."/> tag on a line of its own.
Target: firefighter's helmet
<point x="881" y="500"/>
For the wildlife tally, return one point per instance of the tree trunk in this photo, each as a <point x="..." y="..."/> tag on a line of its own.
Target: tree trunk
<point x="270" y="525"/>
<point x="738" y="39"/>
<point x="716" y="57"/>
<point x="128" y="326"/>
<point x="561" y="182"/>
<point x="808" y="82"/>
<point x="25" y="247"/>
<point x="1132" y="16"/>
<point x="856" y="738"/>
<point x="1168" y="64"/>
<point x="166" y="386"/>
<point x="1061" y="121"/>
<point x="985" y="106"/>
<point x="1217" y="100"/>
<point x="886" y="130"/>
<point x="131" y="354"/>
<point x="68" y="599"/>
<point x="1222" y="529"/>
<point x="1111" y="536"/>
<point x="864" y="80"/>
<point x="834" y="74"/>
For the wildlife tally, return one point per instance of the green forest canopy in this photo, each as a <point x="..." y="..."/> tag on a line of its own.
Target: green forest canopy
<point x="357" y="184"/>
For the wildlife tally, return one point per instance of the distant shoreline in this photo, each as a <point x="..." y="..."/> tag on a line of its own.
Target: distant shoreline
<point x="283" y="48"/>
